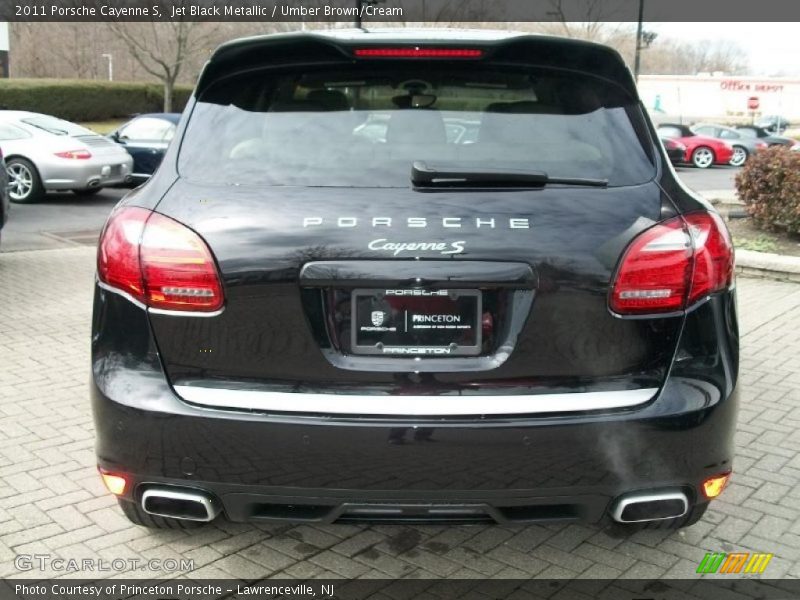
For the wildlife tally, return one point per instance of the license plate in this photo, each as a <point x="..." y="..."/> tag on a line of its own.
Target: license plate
<point x="416" y="322"/>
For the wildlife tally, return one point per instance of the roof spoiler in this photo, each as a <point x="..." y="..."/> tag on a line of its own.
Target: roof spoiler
<point x="307" y="48"/>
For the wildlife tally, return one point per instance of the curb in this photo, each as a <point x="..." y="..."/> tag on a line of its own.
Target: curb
<point x="720" y="196"/>
<point x="768" y="266"/>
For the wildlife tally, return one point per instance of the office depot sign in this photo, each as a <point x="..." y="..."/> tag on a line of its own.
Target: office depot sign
<point x="739" y="85"/>
<point x="719" y="97"/>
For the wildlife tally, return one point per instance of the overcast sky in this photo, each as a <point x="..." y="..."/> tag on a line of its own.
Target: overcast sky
<point x="773" y="48"/>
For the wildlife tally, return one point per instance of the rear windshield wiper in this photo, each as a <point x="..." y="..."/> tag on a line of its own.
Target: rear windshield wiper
<point x="424" y="175"/>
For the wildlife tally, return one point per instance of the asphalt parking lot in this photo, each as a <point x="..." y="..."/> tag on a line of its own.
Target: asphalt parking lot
<point x="52" y="502"/>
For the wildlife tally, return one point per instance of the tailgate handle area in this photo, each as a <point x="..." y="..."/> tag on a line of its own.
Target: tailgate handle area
<point x="418" y="273"/>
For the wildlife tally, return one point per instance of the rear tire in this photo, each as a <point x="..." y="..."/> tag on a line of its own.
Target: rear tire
<point x="703" y="157"/>
<point x="24" y="184"/>
<point x="623" y="530"/>
<point x="137" y="516"/>
<point x="739" y="157"/>
<point x="87" y="191"/>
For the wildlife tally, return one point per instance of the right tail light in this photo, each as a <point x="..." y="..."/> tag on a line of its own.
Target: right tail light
<point x="159" y="262"/>
<point x="673" y="265"/>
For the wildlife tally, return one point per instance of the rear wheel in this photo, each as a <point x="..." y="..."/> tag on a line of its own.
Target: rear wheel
<point x="739" y="156"/>
<point x="137" y="516"/>
<point x="24" y="184"/>
<point x="87" y="191"/>
<point x="703" y="157"/>
<point x="622" y="530"/>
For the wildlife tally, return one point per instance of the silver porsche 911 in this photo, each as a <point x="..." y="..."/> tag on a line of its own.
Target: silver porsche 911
<point x="44" y="154"/>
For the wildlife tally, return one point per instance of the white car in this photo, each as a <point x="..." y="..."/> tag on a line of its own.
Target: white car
<point x="44" y="154"/>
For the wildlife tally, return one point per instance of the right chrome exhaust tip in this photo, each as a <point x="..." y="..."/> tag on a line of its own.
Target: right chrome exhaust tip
<point x="642" y="507"/>
<point x="189" y="505"/>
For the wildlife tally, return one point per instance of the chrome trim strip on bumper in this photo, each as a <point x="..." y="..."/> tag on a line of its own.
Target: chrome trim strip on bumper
<point x="411" y="405"/>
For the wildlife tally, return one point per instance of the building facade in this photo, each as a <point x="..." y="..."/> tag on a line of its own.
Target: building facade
<point x="719" y="97"/>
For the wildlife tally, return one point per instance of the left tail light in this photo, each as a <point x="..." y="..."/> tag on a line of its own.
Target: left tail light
<point x="159" y="262"/>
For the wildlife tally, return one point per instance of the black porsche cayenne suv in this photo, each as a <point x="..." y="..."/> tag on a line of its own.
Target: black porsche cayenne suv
<point x="414" y="277"/>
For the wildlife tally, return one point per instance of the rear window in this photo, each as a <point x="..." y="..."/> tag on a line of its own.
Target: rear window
<point x="56" y="126"/>
<point x="364" y="125"/>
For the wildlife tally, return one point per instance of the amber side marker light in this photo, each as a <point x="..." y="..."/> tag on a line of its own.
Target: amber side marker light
<point x="116" y="484"/>
<point x="713" y="486"/>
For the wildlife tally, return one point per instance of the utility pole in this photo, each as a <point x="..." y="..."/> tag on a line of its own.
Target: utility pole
<point x="359" y="4"/>
<point x="110" y="58"/>
<point x="637" y="59"/>
<point x="643" y="41"/>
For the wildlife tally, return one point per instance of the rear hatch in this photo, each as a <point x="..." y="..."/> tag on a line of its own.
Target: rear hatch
<point x="486" y="271"/>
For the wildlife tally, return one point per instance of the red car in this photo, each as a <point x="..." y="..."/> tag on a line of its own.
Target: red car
<point x="701" y="151"/>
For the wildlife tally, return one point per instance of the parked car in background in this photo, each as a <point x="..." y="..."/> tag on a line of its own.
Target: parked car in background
<point x="701" y="151"/>
<point x="4" y="204"/>
<point x="743" y="146"/>
<point x="44" y="154"/>
<point x="675" y="150"/>
<point x="775" y="124"/>
<point x="295" y="323"/>
<point x="754" y="131"/>
<point x="146" y="138"/>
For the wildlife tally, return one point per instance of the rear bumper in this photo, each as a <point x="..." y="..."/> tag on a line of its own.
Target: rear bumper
<point x="267" y="468"/>
<point x="63" y="174"/>
<point x="262" y="464"/>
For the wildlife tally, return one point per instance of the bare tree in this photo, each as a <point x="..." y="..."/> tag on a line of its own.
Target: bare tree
<point x="584" y="19"/>
<point x="163" y="49"/>
<point x="174" y="52"/>
<point x="669" y="56"/>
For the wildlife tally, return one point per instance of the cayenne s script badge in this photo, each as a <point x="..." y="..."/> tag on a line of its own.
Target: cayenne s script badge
<point x="396" y="248"/>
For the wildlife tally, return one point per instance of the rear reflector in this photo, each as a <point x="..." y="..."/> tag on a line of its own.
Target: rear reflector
<point x="673" y="265"/>
<point x="416" y="52"/>
<point x="159" y="262"/>
<point x="713" y="486"/>
<point x="114" y="483"/>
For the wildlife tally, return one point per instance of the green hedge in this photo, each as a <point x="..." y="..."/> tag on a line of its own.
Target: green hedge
<point x="81" y="100"/>
<point x="769" y="185"/>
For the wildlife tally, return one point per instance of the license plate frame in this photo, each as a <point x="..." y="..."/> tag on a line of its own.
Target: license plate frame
<point x="450" y="319"/>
